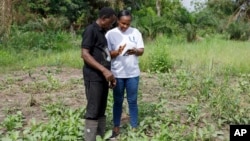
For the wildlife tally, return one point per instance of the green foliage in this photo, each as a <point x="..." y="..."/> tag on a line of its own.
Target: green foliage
<point x="160" y="63"/>
<point x="33" y="40"/>
<point x="156" y="58"/>
<point x="225" y="105"/>
<point x="6" y="58"/>
<point x="197" y="101"/>
<point x="244" y="83"/>
<point x="43" y="15"/>
<point x="13" y="122"/>
<point x="151" y="25"/>
<point x="76" y="12"/>
<point x="72" y="9"/>
<point x="239" y="31"/>
<point x="48" y="24"/>
<point x="67" y="122"/>
<point x="221" y="8"/>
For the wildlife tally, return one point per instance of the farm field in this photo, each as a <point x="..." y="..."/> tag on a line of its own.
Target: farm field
<point x="195" y="100"/>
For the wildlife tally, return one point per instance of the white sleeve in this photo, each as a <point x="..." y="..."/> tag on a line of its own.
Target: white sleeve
<point x="140" y="43"/>
<point x="108" y="41"/>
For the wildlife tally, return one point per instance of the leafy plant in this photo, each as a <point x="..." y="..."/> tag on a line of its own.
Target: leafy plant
<point x="13" y="122"/>
<point x="239" y="31"/>
<point x="193" y="110"/>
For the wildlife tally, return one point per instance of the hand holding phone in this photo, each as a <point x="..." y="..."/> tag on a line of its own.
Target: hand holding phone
<point x="130" y="52"/>
<point x="127" y="52"/>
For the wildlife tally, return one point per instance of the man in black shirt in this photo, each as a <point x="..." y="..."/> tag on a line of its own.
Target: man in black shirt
<point x="96" y="72"/>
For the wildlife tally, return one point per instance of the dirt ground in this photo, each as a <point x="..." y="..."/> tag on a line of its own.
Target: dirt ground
<point x="29" y="90"/>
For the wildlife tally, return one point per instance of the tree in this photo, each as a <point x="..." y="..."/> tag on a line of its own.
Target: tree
<point x="5" y="17"/>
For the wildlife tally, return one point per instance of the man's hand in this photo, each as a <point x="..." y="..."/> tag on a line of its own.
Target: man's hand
<point x="108" y="75"/>
<point x="110" y="78"/>
<point x="112" y="83"/>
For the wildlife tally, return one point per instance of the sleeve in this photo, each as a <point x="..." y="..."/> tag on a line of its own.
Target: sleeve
<point x="140" y="43"/>
<point x="88" y="38"/>
<point x="108" y="41"/>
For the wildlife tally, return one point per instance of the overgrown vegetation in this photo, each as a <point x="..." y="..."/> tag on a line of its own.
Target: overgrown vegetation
<point x="200" y="86"/>
<point x="153" y="18"/>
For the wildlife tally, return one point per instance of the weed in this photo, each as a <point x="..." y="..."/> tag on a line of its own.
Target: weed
<point x="193" y="110"/>
<point x="12" y="122"/>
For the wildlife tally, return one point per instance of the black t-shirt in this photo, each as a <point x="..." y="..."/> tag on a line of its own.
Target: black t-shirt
<point x="93" y="38"/>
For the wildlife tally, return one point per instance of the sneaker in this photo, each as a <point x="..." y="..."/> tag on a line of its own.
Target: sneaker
<point x="115" y="134"/>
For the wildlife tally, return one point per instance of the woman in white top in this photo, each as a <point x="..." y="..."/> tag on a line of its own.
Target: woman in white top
<point x="125" y="44"/>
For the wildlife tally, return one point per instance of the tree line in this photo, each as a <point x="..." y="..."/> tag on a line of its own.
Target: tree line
<point x="154" y="17"/>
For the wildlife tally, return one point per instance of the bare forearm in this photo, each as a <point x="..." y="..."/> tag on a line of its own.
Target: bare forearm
<point x="114" y="53"/>
<point x="139" y="51"/>
<point x="91" y="61"/>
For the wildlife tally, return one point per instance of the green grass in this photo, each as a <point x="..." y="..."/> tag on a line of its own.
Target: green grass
<point x="213" y="54"/>
<point x="30" y="59"/>
<point x="201" y="103"/>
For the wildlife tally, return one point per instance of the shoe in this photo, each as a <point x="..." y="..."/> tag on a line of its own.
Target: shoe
<point x="115" y="134"/>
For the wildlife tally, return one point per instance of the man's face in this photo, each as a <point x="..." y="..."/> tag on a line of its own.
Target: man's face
<point x="106" y="23"/>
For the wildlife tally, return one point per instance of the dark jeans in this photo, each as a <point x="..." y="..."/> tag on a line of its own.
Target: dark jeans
<point x="96" y="94"/>
<point x="131" y="87"/>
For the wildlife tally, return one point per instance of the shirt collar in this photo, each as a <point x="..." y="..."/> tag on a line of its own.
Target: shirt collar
<point x="98" y="27"/>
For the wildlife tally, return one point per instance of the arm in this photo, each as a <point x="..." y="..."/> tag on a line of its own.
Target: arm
<point x="136" y="51"/>
<point x="93" y="63"/>
<point x="115" y="53"/>
<point x="139" y="52"/>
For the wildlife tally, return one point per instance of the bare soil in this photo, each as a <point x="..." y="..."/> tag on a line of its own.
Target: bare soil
<point x="29" y="90"/>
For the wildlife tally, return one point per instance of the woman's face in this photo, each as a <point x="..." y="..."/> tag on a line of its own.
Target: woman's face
<point x="124" y="23"/>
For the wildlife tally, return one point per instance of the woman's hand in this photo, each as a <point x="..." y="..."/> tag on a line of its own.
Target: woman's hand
<point x="115" y="53"/>
<point x="121" y="48"/>
<point x="132" y="51"/>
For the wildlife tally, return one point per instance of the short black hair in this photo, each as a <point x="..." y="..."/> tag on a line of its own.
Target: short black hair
<point x="124" y="13"/>
<point x="106" y="12"/>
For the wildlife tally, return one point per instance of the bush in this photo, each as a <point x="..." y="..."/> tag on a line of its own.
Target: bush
<point x="50" y="23"/>
<point x="33" y="40"/>
<point x="160" y="63"/>
<point x="239" y="31"/>
<point x="6" y="58"/>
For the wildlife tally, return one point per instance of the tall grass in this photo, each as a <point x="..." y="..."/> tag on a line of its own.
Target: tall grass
<point x="11" y="60"/>
<point x="210" y="55"/>
<point x="213" y="54"/>
<point x="26" y="50"/>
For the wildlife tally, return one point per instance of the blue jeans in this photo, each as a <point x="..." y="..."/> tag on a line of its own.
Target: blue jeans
<point x="131" y="87"/>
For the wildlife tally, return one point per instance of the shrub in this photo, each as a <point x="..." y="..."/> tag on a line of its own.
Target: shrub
<point x="50" y="23"/>
<point x="33" y="40"/>
<point x="239" y="31"/>
<point x="159" y="61"/>
<point x="6" y="58"/>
